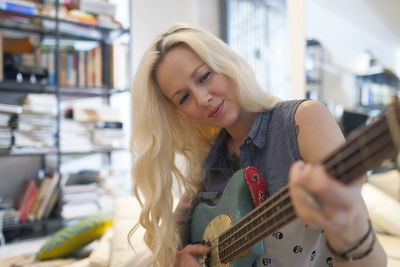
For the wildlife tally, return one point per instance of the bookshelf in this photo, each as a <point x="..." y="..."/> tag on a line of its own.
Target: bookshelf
<point x="62" y="37"/>
<point x="375" y="89"/>
<point x="314" y="69"/>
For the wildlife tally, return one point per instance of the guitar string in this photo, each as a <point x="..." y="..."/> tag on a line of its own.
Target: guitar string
<point x="274" y="225"/>
<point x="263" y="214"/>
<point x="269" y="208"/>
<point x="353" y="145"/>
<point x="353" y="162"/>
<point x="339" y="157"/>
<point x="214" y="240"/>
<point x="340" y="174"/>
<point x="287" y="214"/>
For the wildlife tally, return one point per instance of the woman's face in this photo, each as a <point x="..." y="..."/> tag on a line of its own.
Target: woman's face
<point x="198" y="91"/>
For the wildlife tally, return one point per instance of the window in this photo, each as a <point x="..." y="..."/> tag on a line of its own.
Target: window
<point x="257" y="30"/>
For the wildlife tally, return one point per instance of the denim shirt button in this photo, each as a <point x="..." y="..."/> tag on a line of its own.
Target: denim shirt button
<point x="249" y="141"/>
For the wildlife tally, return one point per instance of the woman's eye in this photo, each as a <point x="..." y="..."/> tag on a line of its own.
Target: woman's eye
<point x="205" y="76"/>
<point x="183" y="99"/>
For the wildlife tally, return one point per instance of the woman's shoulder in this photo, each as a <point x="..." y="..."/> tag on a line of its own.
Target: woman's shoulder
<point x="310" y="110"/>
<point x="319" y="133"/>
<point x="288" y="104"/>
<point x="284" y="111"/>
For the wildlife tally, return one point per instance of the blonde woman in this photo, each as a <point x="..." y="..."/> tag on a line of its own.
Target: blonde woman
<point x="194" y="96"/>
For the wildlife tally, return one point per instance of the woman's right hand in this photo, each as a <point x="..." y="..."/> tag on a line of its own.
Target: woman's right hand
<point x="187" y="257"/>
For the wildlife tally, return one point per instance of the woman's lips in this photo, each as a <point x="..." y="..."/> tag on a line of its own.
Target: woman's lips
<point x="217" y="110"/>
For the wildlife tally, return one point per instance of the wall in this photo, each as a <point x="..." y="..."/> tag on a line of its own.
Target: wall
<point x="151" y="17"/>
<point x="343" y="30"/>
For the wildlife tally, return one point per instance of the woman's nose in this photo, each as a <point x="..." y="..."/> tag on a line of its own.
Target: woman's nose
<point x="203" y="97"/>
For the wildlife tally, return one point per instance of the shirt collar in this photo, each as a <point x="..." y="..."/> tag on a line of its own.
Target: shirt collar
<point x="217" y="150"/>
<point x="258" y="132"/>
<point x="258" y="135"/>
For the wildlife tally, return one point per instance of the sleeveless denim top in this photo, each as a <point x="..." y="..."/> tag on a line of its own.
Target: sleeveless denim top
<point x="271" y="147"/>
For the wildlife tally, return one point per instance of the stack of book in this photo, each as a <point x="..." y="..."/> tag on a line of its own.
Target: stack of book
<point x="37" y="198"/>
<point x="75" y="136"/>
<point x="5" y="134"/>
<point x="91" y="128"/>
<point x="109" y="135"/>
<point x="37" y="125"/>
<point x="80" y="193"/>
<point x="8" y="119"/>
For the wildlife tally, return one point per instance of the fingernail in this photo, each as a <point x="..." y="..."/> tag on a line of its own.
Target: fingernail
<point x="301" y="164"/>
<point x="311" y="199"/>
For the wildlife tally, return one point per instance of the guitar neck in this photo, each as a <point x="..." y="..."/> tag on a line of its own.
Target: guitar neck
<point x="363" y="151"/>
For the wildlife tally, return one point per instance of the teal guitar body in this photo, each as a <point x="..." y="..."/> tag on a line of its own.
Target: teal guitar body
<point x="208" y="222"/>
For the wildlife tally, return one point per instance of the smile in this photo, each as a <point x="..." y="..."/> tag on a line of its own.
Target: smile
<point x="217" y="111"/>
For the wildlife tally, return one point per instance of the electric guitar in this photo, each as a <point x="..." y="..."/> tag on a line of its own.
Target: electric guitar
<point x="234" y="229"/>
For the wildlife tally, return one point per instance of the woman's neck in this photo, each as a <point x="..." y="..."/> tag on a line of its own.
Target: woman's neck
<point x="240" y="131"/>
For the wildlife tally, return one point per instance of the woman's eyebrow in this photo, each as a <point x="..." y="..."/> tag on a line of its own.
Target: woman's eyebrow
<point x="197" y="69"/>
<point x="179" y="91"/>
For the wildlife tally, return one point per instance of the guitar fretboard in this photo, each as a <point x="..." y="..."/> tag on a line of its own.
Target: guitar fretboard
<point x="363" y="151"/>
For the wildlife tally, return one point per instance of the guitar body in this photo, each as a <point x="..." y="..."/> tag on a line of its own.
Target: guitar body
<point x="209" y="222"/>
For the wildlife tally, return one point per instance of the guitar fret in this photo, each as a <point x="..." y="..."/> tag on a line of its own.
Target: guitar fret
<point x="386" y="152"/>
<point x="358" y="158"/>
<point x="351" y="145"/>
<point x="266" y="229"/>
<point x="353" y="155"/>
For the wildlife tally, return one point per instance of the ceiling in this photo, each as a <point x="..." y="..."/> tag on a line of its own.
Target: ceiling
<point x="379" y="17"/>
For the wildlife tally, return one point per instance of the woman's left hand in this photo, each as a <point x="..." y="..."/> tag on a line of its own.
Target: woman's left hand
<point x="323" y="202"/>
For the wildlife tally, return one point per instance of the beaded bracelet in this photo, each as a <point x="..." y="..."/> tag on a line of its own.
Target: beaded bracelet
<point x="345" y="257"/>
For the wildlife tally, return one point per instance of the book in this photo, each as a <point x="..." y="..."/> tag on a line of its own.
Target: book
<point x="81" y="77"/>
<point x="52" y="203"/>
<point x="23" y="216"/>
<point x="29" y="187"/>
<point x="22" y="7"/>
<point x="18" y="45"/>
<point x="108" y="124"/>
<point x="20" y="195"/>
<point x="51" y="188"/>
<point x="98" y="113"/>
<point x="98" y="69"/>
<point x="10" y="109"/>
<point x="119" y="54"/>
<point x="97" y="7"/>
<point x="1" y="57"/>
<point x="39" y="199"/>
<point x="81" y="16"/>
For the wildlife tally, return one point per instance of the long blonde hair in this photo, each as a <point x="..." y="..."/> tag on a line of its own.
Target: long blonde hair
<point x="160" y="132"/>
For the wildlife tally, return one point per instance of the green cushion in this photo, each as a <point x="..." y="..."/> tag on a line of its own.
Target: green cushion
<point x="74" y="237"/>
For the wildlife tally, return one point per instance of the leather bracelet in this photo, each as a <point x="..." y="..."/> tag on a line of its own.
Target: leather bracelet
<point x="345" y="257"/>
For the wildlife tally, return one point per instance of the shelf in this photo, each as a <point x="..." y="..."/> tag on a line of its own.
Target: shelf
<point x="101" y="25"/>
<point x="384" y="77"/>
<point x="313" y="81"/>
<point x="20" y="231"/>
<point x="95" y="151"/>
<point x="15" y="225"/>
<point x="50" y="152"/>
<point x="14" y="87"/>
<point x="368" y="107"/>
<point x="69" y="29"/>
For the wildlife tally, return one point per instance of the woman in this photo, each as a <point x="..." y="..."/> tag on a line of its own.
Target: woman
<point x="193" y="96"/>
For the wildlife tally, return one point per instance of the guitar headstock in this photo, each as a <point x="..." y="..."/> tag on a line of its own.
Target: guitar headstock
<point x="367" y="147"/>
<point x="392" y="116"/>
